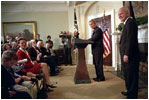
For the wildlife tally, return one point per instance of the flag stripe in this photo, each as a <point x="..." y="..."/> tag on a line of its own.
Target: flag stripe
<point x="106" y="42"/>
<point x="105" y="45"/>
<point x="107" y="37"/>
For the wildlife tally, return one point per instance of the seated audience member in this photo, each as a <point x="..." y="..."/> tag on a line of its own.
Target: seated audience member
<point x="50" y="52"/>
<point x="8" y="82"/>
<point x="33" y="52"/>
<point x="8" y="39"/>
<point x="28" y="44"/>
<point x="46" y="58"/>
<point x="14" y="46"/>
<point x="33" y="66"/>
<point x="16" y="38"/>
<point x="50" y="41"/>
<point x="17" y="69"/>
<point x="6" y="46"/>
<point x="38" y="38"/>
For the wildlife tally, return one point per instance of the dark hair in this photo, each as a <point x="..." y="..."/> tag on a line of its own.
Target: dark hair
<point x="37" y="34"/>
<point x="92" y="20"/>
<point x="4" y="46"/>
<point x="48" y="36"/>
<point x="9" y="55"/>
<point x="21" y="38"/>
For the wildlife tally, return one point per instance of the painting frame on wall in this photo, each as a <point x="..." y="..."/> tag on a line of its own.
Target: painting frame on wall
<point x="26" y="29"/>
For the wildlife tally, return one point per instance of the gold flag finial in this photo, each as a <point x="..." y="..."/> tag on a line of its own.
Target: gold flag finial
<point x="103" y="10"/>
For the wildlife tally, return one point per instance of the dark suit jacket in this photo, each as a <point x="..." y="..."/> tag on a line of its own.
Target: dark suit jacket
<point x="43" y="51"/>
<point x="32" y="52"/>
<point x="6" y="77"/>
<point x="7" y="81"/>
<point x="129" y="40"/>
<point x="97" y="37"/>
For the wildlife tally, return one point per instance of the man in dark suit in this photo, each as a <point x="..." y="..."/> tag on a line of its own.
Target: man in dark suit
<point x="47" y="58"/>
<point x="129" y="53"/>
<point x="97" y="50"/>
<point x="9" y="58"/>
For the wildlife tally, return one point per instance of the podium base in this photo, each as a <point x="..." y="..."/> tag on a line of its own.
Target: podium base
<point x="82" y="81"/>
<point x="81" y="75"/>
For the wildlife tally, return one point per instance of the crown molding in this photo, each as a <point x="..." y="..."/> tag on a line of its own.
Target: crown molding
<point x="32" y="6"/>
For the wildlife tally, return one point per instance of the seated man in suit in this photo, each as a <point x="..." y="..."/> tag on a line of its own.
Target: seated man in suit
<point x="9" y="58"/>
<point x="40" y="55"/>
<point x="47" y="58"/>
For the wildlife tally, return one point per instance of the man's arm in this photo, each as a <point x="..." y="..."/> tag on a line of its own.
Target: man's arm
<point x="130" y="40"/>
<point x="97" y="35"/>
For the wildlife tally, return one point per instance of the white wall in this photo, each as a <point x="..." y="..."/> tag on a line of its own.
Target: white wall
<point x="48" y="23"/>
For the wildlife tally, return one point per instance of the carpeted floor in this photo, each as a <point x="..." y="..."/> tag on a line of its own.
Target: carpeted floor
<point x="67" y="89"/>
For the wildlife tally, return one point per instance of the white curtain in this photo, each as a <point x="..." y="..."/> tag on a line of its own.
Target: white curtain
<point x="80" y="13"/>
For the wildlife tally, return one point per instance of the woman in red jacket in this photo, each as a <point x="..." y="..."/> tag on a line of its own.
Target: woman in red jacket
<point x="33" y="66"/>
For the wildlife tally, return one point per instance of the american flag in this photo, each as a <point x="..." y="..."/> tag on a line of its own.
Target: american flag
<point x="106" y="37"/>
<point x="106" y="43"/>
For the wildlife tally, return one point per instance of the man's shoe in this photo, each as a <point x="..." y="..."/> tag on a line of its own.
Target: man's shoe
<point x="102" y="79"/>
<point x="124" y="93"/>
<point x="53" y="74"/>
<point x="98" y="80"/>
<point x="94" y="78"/>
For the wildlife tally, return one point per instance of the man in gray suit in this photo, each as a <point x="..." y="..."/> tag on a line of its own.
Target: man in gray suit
<point x="129" y="53"/>
<point x="97" y="50"/>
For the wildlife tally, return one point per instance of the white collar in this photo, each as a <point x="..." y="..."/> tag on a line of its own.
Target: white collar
<point x="126" y="20"/>
<point x="22" y="50"/>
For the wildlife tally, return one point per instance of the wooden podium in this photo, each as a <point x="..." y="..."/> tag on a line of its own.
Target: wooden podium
<point x="81" y="75"/>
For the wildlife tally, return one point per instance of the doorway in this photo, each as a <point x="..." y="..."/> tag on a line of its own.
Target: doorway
<point x="103" y="22"/>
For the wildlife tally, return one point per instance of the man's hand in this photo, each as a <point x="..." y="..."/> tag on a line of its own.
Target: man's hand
<point x="40" y="54"/>
<point x="17" y="80"/>
<point x="12" y="93"/>
<point x="125" y="58"/>
<point x="25" y="78"/>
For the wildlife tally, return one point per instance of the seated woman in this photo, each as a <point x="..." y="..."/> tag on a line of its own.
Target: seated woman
<point x="33" y="66"/>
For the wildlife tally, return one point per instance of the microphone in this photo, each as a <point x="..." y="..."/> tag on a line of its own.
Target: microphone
<point x="22" y="61"/>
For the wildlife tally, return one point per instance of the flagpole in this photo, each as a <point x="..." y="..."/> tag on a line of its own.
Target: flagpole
<point x="131" y="10"/>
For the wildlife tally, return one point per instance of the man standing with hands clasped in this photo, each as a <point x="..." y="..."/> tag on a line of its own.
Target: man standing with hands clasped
<point x="97" y="50"/>
<point x="129" y="53"/>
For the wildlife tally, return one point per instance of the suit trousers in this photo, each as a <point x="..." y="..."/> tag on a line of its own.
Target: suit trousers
<point x="98" y="62"/>
<point x="51" y="62"/>
<point x="131" y="76"/>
